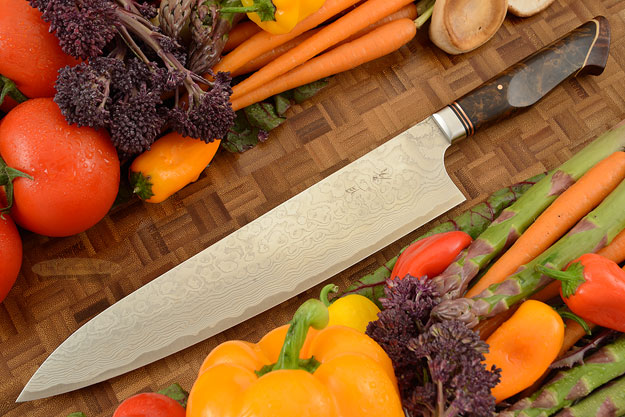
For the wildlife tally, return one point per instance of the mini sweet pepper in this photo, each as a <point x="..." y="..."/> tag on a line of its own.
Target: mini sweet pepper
<point x="332" y="371"/>
<point x="277" y="16"/>
<point x="171" y="163"/>
<point x="593" y="287"/>
<point x="430" y="256"/>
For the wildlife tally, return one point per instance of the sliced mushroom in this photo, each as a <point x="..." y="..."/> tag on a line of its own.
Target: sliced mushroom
<point x="525" y="8"/>
<point x="460" y="26"/>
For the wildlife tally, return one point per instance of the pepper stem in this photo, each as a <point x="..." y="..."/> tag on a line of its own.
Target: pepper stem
<point x="576" y="318"/>
<point x="571" y="279"/>
<point x="313" y="313"/>
<point x="7" y="176"/>
<point x="141" y="185"/>
<point x="330" y="288"/>
<point x="264" y="8"/>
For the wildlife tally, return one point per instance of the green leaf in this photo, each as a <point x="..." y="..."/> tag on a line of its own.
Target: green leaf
<point x="177" y="393"/>
<point x="242" y="135"/>
<point x="264" y="116"/>
<point x="253" y="123"/>
<point x="305" y="92"/>
<point x="282" y="103"/>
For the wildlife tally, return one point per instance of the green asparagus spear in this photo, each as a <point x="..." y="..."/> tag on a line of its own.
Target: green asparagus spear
<point x="473" y="221"/>
<point x="514" y="220"/>
<point x="609" y="401"/>
<point x="593" y="232"/>
<point x="572" y="384"/>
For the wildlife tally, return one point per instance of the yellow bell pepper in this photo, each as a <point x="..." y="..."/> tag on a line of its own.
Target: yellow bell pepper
<point x="171" y="163"/>
<point x="276" y="16"/>
<point x="352" y="310"/>
<point x="334" y="372"/>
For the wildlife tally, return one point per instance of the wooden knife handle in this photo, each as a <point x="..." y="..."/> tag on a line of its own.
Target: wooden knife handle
<point x="585" y="50"/>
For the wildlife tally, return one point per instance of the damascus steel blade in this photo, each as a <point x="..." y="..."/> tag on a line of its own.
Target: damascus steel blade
<point x="332" y="225"/>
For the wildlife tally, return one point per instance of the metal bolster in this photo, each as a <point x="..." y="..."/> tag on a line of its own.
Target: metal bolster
<point x="450" y="124"/>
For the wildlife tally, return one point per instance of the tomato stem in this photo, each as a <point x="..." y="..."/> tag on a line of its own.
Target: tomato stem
<point x="8" y="88"/>
<point x="7" y="176"/>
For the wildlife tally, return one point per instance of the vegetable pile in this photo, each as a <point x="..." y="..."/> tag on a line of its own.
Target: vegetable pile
<point x="466" y="321"/>
<point x="131" y="66"/>
<point x="511" y="336"/>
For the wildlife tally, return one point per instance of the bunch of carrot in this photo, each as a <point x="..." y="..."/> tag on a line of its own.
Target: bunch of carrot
<point x="316" y="49"/>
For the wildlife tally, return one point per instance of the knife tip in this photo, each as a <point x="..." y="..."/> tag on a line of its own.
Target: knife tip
<point x="24" y="396"/>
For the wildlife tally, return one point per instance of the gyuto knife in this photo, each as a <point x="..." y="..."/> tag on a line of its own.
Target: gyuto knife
<point x="337" y="222"/>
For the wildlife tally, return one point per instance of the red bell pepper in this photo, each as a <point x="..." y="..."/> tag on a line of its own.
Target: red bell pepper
<point x="593" y="287"/>
<point x="430" y="256"/>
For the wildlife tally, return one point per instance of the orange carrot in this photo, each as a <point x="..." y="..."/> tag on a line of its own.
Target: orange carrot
<point x="269" y="56"/>
<point x="487" y="327"/>
<point x="370" y="12"/>
<point x="240" y="33"/>
<point x="524" y="347"/>
<point x="565" y="212"/>
<point x="574" y="331"/>
<point x="375" y="44"/>
<point x="265" y="41"/>
<point x="616" y="249"/>
<point x="550" y="291"/>
<point x="407" y="12"/>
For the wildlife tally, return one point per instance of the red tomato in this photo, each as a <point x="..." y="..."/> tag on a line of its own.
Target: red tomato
<point x="10" y="252"/>
<point x="75" y="170"/>
<point x="149" y="404"/>
<point x="29" y="54"/>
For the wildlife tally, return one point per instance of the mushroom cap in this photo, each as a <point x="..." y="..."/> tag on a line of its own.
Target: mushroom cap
<point x="460" y="26"/>
<point x="526" y="8"/>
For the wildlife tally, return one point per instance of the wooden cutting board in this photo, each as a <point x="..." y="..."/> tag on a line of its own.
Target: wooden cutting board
<point x="358" y="111"/>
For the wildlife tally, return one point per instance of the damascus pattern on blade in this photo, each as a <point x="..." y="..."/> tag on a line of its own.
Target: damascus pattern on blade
<point x="339" y="221"/>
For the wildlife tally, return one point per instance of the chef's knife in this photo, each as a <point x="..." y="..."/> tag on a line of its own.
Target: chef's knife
<point x="337" y="222"/>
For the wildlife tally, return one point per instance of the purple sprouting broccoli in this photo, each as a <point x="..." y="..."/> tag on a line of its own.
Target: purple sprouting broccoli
<point x="84" y="27"/>
<point x="133" y="80"/>
<point x="438" y="365"/>
<point x="454" y="355"/>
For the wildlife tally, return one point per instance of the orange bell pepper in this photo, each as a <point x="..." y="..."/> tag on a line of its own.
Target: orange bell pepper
<point x="333" y="371"/>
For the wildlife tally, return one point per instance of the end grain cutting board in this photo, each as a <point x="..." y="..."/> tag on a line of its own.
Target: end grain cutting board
<point x="65" y="282"/>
